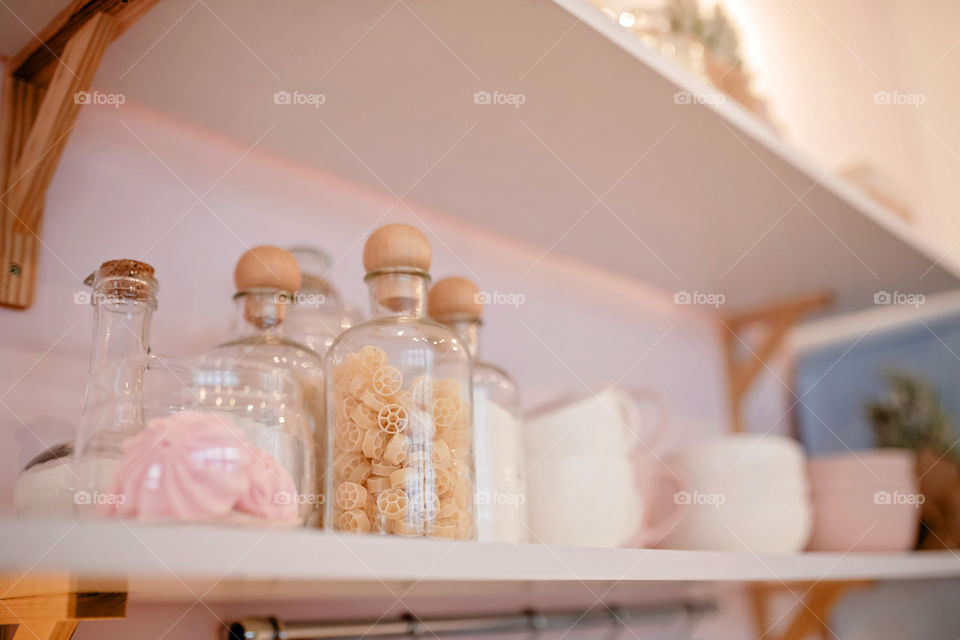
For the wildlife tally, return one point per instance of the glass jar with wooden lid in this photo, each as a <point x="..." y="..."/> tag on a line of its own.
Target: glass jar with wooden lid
<point x="498" y="440"/>
<point x="266" y="279"/>
<point x="399" y="402"/>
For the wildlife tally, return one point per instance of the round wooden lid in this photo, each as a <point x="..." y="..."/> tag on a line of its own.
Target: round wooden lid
<point x="269" y="268"/>
<point x="454" y="297"/>
<point x="396" y="245"/>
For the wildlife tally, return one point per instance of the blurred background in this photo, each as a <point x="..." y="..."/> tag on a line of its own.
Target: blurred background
<point x="716" y="238"/>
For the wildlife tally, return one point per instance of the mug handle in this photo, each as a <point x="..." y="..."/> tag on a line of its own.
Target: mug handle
<point x="649" y="485"/>
<point x="633" y="419"/>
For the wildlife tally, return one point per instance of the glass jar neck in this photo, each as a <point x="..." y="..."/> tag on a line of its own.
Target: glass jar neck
<point x="468" y="328"/>
<point x="400" y="293"/>
<point x="120" y="330"/>
<point x="122" y="312"/>
<point x="260" y="311"/>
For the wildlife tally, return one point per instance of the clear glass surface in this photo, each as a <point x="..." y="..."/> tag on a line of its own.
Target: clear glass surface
<point x="319" y="313"/>
<point x="217" y="442"/>
<point x="261" y="339"/>
<point x="47" y="484"/>
<point x="498" y="443"/>
<point x="122" y="309"/>
<point x="399" y="400"/>
<point x="501" y="491"/>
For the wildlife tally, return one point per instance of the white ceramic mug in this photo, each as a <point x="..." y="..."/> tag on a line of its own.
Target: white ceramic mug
<point x="590" y="482"/>
<point x="592" y="501"/>
<point x="608" y="423"/>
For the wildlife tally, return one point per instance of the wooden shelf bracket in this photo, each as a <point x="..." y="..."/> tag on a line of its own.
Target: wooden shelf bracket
<point x="51" y="608"/>
<point x="43" y="90"/>
<point x="816" y="601"/>
<point x="777" y="320"/>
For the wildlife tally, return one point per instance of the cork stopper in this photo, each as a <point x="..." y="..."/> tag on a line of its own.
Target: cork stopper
<point x="396" y="246"/>
<point x="126" y="268"/>
<point x="454" y="298"/>
<point x="267" y="267"/>
<point x="124" y="278"/>
<point x="265" y="275"/>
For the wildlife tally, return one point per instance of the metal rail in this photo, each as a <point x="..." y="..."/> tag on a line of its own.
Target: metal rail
<point x="413" y="627"/>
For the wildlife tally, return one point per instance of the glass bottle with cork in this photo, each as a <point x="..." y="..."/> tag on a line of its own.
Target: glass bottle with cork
<point x="123" y="298"/>
<point x="498" y="440"/>
<point x="400" y="407"/>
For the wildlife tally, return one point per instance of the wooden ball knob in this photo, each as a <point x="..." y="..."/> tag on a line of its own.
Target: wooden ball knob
<point x="396" y="245"/>
<point x="454" y="297"/>
<point x="269" y="268"/>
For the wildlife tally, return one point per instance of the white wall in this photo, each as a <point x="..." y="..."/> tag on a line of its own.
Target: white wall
<point x="820" y="62"/>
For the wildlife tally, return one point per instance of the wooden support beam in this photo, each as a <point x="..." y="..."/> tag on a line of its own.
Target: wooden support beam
<point x="62" y="605"/>
<point x="776" y="320"/>
<point x="61" y="630"/>
<point x="50" y="608"/>
<point x="55" y="118"/>
<point x="812" y="611"/>
<point x="39" y="109"/>
<point x="36" y="62"/>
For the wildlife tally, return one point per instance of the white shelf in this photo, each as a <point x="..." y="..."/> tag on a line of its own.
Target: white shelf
<point x="163" y="562"/>
<point x="707" y="199"/>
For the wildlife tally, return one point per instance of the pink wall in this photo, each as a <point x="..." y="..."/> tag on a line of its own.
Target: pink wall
<point x="123" y="189"/>
<point x="118" y="193"/>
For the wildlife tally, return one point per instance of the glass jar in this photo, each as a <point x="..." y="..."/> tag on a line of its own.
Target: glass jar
<point x="498" y="438"/>
<point x="400" y="408"/>
<point x="319" y="313"/>
<point x="211" y="441"/>
<point x="46" y="485"/>
<point x="123" y="298"/>
<point x="266" y="279"/>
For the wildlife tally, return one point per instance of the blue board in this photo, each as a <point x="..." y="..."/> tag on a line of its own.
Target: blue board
<point x="832" y="411"/>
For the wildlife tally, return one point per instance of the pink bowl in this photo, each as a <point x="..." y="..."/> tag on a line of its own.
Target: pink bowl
<point x="866" y="501"/>
<point x="874" y="468"/>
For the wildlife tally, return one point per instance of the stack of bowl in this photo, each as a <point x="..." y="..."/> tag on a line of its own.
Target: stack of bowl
<point x="741" y="493"/>
<point x="865" y="501"/>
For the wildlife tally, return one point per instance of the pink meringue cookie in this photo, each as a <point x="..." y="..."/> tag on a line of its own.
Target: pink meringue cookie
<point x="272" y="494"/>
<point x="189" y="466"/>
